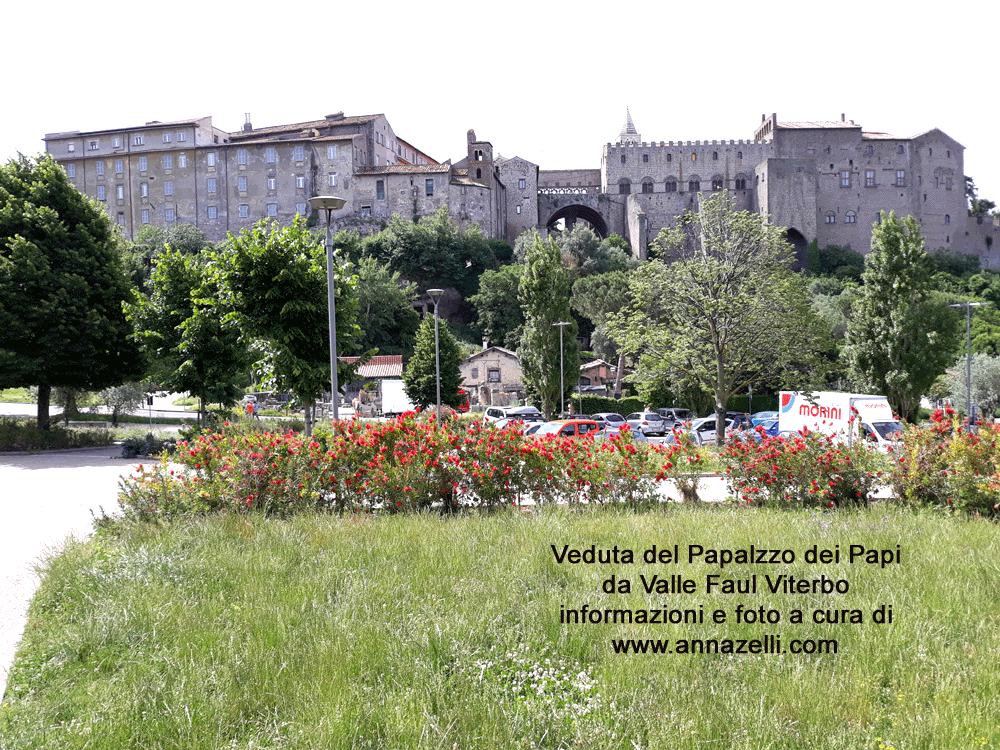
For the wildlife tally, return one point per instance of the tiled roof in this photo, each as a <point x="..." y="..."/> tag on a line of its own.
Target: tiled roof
<point x="382" y="366"/>
<point x="299" y="126"/>
<point x="812" y="125"/>
<point x="405" y="169"/>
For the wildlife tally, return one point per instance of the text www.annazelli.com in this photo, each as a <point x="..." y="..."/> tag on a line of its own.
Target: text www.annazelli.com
<point x="768" y="644"/>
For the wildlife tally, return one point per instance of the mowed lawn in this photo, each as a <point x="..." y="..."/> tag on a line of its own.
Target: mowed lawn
<point x="424" y="631"/>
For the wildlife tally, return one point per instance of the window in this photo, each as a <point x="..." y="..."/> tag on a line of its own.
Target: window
<point x="947" y="183"/>
<point x="517" y="209"/>
<point x="647" y="185"/>
<point x="366" y="210"/>
<point x="624" y="186"/>
<point x="138" y="139"/>
<point x="900" y="178"/>
<point x="272" y="184"/>
<point x="241" y="184"/>
<point x="71" y="170"/>
<point x="168" y="187"/>
<point x="715" y="156"/>
<point x="671" y="186"/>
<point x="121" y="218"/>
<point x="739" y="155"/>
<point x="694" y="186"/>
<point x="272" y="209"/>
<point x="670" y="157"/>
<point x="145" y="216"/>
<point x="270" y="155"/>
<point x="119" y="166"/>
<point x="493" y="375"/>
<point x="332" y="179"/>
<point x="380" y="190"/>
<point x="300" y="181"/>
<point x="144" y="190"/>
<point x="429" y="187"/>
<point x="694" y="157"/>
<point x="212" y="212"/>
<point x="300" y="208"/>
<point x="143" y="164"/>
<point x="845" y="179"/>
<point x="740" y="183"/>
<point x="850" y="217"/>
<point x="623" y="158"/>
<point x="116" y="142"/>
<point x="244" y="211"/>
<point x="241" y="156"/>
<point x="899" y="149"/>
<point x="210" y="159"/>
<point x="300" y="153"/>
<point x="168" y="161"/>
<point x="521" y="184"/>
<point x="100" y="193"/>
<point x="120" y="192"/>
<point x="869" y="178"/>
<point x="331" y="151"/>
<point x="168" y="214"/>
<point x="181" y="136"/>
<point x="645" y="158"/>
<point x="475" y="373"/>
<point x="182" y="161"/>
<point x="831" y="218"/>
<point x="716" y="183"/>
<point x="869" y="149"/>
<point x="71" y="147"/>
<point x="947" y="218"/>
<point x="211" y="184"/>
<point x="94" y="145"/>
<point x="99" y="167"/>
<point x="166" y="137"/>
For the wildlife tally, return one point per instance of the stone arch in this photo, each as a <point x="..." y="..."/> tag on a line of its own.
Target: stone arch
<point x="799" y="245"/>
<point x="574" y="213"/>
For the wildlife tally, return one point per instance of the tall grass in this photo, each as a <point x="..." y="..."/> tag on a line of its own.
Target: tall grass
<point x="425" y="631"/>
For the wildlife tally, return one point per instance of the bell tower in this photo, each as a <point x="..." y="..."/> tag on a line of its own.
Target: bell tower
<point x="628" y="136"/>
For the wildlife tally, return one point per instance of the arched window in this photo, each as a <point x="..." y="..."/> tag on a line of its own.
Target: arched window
<point x="624" y="186"/>
<point x="740" y="183"/>
<point x="694" y="184"/>
<point x="647" y="185"/>
<point x="850" y="217"/>
<point x="717" y="182"/>
<point x="671" y="185"/>
<point x="831" y="218"/>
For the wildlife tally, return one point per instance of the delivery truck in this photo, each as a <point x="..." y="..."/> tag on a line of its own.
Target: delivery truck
<point x="847" y="416"/>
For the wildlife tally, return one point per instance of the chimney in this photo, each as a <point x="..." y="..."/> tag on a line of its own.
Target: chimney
<point x="334" y="117"/>
<point x="247" y="127"/>
<point x="486" y="344"/>
<point x="841" y="116"/>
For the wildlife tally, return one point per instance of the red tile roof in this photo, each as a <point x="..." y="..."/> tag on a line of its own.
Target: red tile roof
<point x="382" y="366"/>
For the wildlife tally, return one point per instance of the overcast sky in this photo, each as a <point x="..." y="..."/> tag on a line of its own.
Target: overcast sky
<point x="547" y="81"/>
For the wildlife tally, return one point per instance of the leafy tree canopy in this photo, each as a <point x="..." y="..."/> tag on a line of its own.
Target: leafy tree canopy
<point x="500" y="319"/>
<point x="386" y="316"/>
<point x="900" y="335"/>
<point x="420" y="375"/>
<point x="62" y="286"/>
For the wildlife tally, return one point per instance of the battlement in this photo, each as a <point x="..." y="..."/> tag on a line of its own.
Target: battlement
<point x="682" y="144"/>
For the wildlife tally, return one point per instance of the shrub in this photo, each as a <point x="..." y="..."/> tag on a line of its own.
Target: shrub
<point x="23" y="435"/>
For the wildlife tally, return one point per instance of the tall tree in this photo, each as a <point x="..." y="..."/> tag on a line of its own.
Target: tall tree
<point x="183" y="328"/>
<point x="721" y="309"/>
<point x="386" y="316"/>
<point x="275" y="278"/>
<point x="544" y="296"/>
<point x="420" y="376"/>
<point x="62" y="286"/>
<point x="500" y="318"/>
<point x="901" y="336"/>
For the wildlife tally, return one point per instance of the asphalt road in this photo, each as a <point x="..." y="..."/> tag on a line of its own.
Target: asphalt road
<point x="45" y="498"/>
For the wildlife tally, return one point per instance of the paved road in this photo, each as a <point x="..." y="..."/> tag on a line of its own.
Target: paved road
<point x="45" y="498"/>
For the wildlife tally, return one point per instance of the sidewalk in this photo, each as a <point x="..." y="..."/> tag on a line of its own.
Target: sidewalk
<point x="46" y="498"/>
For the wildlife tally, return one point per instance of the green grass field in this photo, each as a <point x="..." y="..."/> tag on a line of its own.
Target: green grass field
<point x="430" y="632"/>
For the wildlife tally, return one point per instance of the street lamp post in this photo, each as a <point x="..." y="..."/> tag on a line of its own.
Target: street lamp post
<point x="330" y="204"/>
<point x="435" y="295"/>
<point x="968" y="356"/>
<point x="562" y="369"/>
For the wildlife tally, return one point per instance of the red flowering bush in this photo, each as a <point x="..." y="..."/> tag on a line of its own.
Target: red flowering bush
<point x="948" y="466"/>
<point x="809" y="469"/>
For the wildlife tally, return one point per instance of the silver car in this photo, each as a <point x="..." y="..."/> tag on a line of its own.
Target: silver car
<point x="647" y="422"/>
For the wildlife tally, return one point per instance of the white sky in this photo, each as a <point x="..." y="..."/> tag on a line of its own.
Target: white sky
<point x="547" y="81"/>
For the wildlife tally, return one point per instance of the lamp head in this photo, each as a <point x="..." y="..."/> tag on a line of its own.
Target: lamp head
<point x="327" y="202"/>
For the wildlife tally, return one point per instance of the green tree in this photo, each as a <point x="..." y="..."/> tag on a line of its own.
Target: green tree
<point x="722" y="309"/>
<point x="62" y="286"/>
<point x="977" y="206"/>
<point x="900" y="337"/>
<point x="386" y="316"/>
<point x="584" y="253"/>
<point x="500" y="319"/>
<point x="544" y="296"/>
<point x="122" y="398"/>
<point x="275" y="279"/>
<point x="150" y="244"/>
<point x="985" y="383"/>
<point x="183" y="328"/>
<point x="598" y="297"/>
<point x="420" y="375"/>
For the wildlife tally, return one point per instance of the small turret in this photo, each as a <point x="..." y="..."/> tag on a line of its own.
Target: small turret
<point x="629" y="135"/>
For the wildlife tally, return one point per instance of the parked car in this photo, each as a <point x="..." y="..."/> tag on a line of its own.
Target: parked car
<point x="569" y="428"/>
<point x="762" y="416"/>
<point x="609" y="421"/>
<point x="521" y="422"/>
<point x="768" y="427"/>
<point x="496" y="413"/>
<point x="703" y="430"/>
<point x="647" y="422"/>
<point x="675" y="416"/>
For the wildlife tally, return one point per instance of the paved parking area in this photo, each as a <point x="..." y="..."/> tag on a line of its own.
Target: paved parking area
<point x="45" y="498"/>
